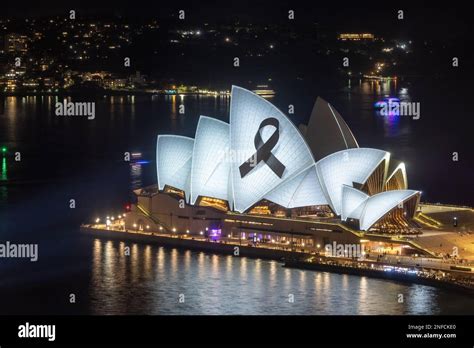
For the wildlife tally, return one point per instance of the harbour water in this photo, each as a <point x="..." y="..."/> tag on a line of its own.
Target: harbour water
<point x="74" y="158"/>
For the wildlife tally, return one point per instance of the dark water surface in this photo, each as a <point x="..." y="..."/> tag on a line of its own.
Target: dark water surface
<point x="65" y="158"/>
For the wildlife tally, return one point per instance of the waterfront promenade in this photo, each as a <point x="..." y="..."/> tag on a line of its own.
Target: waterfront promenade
<point x="429" y="271"/>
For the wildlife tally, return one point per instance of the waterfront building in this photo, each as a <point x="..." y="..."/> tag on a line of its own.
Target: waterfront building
<point x="260" y="177"/>
<point x="356" y="36"/>
<point x="16" y="43"/>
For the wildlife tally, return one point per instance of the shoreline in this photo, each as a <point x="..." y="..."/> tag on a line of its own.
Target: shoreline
<point x="109" y="93"/>
<point x="290" y="259"/>
<point x="377" y="274"/>
<point x="197" y="245"/>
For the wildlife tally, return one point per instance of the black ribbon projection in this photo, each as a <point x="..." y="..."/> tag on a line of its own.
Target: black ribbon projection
<point x="264" y="150"/>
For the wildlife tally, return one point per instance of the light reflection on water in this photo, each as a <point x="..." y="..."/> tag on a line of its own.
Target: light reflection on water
<point x="213" y="284"/>
<point x="136" y="176"/>
<point x="152" y="278"/>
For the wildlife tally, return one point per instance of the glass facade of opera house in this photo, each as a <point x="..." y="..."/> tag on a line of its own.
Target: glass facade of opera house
<point x="259" y="176"/>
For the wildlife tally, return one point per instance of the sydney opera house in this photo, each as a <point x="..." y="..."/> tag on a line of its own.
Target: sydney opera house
<point x="261" y="177"/>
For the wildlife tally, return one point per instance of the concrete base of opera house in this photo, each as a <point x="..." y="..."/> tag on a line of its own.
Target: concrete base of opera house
<point x="193" y="244"/>
<point x="167" y="214"/>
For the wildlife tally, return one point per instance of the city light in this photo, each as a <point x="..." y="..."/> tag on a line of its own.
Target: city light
<point x="294" y="204"/>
